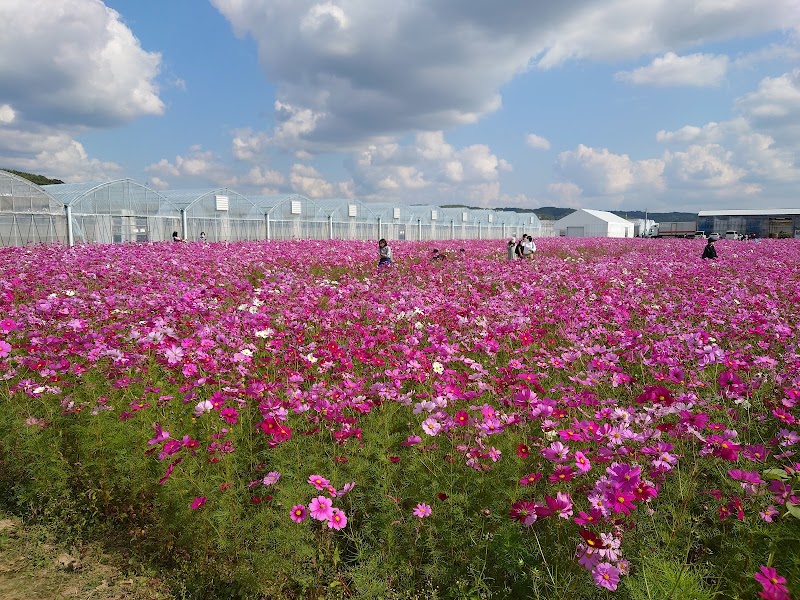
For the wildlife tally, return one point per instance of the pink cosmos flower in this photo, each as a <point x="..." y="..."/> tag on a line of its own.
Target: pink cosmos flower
<point x="299" y="513"/>
<point x="774" y="585"/>
<point x="5" y="348"/>
<point x="412" y="440"/>
<point x="231" y="415"/>
<point x="319" y="482"/>
<point x="337" y="520"/>
<point x="321" y="508"/>
<point x="272" y="478"/>
<point x="582" y="463"/>
<point x="431" y="426"/>
<point x="422" y="510"/>
<point x="198" y="502"/>
<point x="530" y="479"/>
<point x="7" y="325"/>
<point x="606" y="576"/>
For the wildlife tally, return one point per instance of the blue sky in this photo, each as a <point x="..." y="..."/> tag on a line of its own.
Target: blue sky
<point x="657" y="104"/>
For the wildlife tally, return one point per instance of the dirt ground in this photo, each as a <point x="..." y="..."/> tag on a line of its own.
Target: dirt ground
<point x="32" y="567"/>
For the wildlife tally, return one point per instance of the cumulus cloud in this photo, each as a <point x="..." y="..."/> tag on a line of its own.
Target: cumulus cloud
<point x="308" y="181"/>
<point x="699" y="70"/>
<point x="566" y="194"/>
<point x="74" y="62"/>
<point x="775" y="107"/>
<point x="54" y="152"/>
<point x="196" y="165"/>
<point x="602" y="173"/>
<point x="537" y="142"/>
<point x="7" y="114"/>
<point x="431" y="165"/>
<point x="352" y="73"/>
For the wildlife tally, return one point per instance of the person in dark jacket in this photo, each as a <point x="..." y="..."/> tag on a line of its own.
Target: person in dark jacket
<point x="709" y="251"/>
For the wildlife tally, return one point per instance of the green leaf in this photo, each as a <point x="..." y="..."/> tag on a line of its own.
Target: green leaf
<point x="794" y="509"/>
<point x="776" y="474"/>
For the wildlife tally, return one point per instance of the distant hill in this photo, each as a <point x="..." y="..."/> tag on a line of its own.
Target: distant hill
<point x="37" y="179"/>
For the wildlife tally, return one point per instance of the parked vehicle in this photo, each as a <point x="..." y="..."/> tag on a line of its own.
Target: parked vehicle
<point x="732" y="235"/>
<point x="713" y="236"/>
<point x="674" y="229"/>
<point x="699" y="235"/>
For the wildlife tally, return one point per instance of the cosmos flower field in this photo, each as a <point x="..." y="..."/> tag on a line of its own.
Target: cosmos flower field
<point x="615" y="418"/>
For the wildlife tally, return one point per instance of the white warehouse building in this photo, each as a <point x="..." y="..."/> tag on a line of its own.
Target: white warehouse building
<point x="593" y="223"/>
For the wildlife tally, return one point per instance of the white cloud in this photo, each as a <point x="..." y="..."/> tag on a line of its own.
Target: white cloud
<point x="259" y="176"/>
<point x="306" y="180"/>
<point x="603" y="173"/>
<point x="707" y="166"/>
<point x="537" y="142"/>
<point x="432" y="165"/>
<point x="73" y="62"/>
<point x="7" y="114"/>
<point x="774" y="107"/>
<point x="158" y="184"/>
<point x="53" y="153"/>
<point x="248" y="145"/>
<point x="699" y="70"/>
<point x="566" y="194"/>
<point x="197" y="165"/>
<point x="354" y="73"/>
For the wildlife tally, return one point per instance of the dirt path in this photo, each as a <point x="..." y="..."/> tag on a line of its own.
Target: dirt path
<point x="33" y="568"/>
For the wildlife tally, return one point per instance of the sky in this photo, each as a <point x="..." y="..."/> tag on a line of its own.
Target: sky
<point x="606" y="104"/>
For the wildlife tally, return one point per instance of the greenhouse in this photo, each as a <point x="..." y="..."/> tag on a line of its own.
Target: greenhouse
<point x="28" y="214"/>
<point x="126" y="211"/>
<point x="292" y="217"/>
<point x="349" y="219"/>
<point x="223" y="215"/>
<point x="115" y="211"/>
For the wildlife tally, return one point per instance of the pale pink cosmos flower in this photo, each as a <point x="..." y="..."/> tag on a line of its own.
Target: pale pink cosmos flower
<point x="5" y="348"/>
<point x="321" y="508"/>
<point x="422" y="510"/>
<point x="272" y="478"/>
<point x="431" y="426"/>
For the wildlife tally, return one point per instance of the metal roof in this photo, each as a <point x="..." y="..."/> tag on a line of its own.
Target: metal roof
<point x="736" y="212"/>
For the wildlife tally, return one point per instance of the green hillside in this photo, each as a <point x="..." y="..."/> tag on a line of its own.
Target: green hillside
<point x="37" y="179"/>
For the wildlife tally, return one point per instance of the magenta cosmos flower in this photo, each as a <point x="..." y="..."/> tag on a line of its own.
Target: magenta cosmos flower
<point x="423" y="510"/>
<point x="337" y="520"/>
<point x="198" y="502"/>
<point x="319" y="482"/>
<point x="299" y="513"/>
<point x="321" y="508"/>
<point x="774" y="585"/>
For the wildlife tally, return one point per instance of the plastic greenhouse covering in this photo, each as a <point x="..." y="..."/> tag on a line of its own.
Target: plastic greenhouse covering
<point x="117" y="211"/>
<point x="222" y="214"/>
<point x="127" y="211"/>
<point x="28" y="214"/>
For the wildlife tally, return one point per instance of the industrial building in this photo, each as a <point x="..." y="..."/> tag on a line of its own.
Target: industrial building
<point x="762" y="223"/>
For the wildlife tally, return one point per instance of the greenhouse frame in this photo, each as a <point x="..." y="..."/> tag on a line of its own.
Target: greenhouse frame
<point x="123" y="210"/>
<point x="28" y="214"/>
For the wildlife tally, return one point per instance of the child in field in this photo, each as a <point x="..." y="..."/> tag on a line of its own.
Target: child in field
<point x="384" y="253"/>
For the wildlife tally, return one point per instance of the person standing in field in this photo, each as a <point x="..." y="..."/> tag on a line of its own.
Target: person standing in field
<point x="510" y="249"/>
<point x="709" y="251"/>
<point x="384" y="253"/>
<point x="528" y="247"/>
